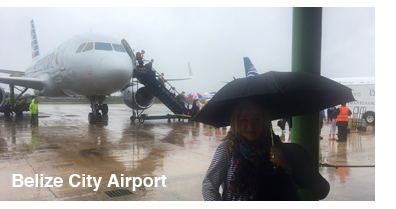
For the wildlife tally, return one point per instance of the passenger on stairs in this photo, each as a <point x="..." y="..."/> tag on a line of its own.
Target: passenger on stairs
<point x="140" y="58"/>
<point x="182" y="98"/>
<point x="173" y="91"/>
<point x="161" y="79"/>
<point x="149" y="67"/>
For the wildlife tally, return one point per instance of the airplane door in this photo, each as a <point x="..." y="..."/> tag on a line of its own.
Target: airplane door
<point x="62" y="55"/>
<point x="129" y="51"/>
<point x="60" y="76"/>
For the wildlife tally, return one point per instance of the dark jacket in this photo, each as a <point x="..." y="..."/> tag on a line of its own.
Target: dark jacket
<point x="274" y="184"/>
<point x="194" y="110"/>
<point x="330" y="113"/>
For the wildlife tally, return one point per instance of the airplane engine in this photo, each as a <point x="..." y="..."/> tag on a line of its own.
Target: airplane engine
<point x="143" y="98"/>
<point x="2" y="96"/>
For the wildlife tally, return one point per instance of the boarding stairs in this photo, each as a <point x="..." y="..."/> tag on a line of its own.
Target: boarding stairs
<point x="147" y="77"/>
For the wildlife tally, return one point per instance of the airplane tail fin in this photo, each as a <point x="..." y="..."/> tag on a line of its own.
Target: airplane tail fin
<point x="35" y="48"/>
<point x="250" y="70"/>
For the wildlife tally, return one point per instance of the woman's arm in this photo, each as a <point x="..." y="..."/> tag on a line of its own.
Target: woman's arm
<point x="216" y="173"/>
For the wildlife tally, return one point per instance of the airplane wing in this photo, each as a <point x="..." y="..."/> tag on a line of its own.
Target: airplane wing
<point x="178" y="79"/>
<point x="34" y="83"/>
<point x="13" y="73"/>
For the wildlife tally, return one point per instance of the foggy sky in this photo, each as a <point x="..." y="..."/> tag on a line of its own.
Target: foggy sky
<point x="213" y="40"/>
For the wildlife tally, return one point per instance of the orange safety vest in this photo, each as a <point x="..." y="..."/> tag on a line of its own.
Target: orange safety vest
<point x="343" y="115"/>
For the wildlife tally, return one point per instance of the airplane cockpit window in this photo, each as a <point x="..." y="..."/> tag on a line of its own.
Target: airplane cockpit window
<point x="103" y="46"/>
<point x="118" y="48"/>
<point x="80" y="47"/>
<point x="88" y="47"/>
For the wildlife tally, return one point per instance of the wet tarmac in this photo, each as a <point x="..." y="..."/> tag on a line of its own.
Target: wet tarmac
<point x="118" y="151"/>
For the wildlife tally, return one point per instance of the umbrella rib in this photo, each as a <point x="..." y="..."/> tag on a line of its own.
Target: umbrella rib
<point x="247" y="83"/>
<point x="277" y="83"/>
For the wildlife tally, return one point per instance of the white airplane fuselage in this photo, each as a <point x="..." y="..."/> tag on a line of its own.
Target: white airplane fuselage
<point x="97" y="71"/>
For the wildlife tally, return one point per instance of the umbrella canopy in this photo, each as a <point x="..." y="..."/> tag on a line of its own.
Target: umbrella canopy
<point x="194" y="96"/>
<point x="210" y="95"/>
<point x="284" y="94"/>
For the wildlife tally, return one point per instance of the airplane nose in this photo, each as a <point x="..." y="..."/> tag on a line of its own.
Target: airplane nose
<point x="115" y="71"/>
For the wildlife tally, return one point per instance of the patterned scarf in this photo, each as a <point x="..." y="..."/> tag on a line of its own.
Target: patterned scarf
<point x="246" y="175"/>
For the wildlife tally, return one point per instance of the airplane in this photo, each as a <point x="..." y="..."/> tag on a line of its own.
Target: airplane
<point x="90" y="64"/>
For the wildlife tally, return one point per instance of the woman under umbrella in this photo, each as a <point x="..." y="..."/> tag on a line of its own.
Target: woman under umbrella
<point x="244" y="163"/>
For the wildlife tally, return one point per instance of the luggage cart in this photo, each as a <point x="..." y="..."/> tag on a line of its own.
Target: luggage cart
<point x="358" y="113"/>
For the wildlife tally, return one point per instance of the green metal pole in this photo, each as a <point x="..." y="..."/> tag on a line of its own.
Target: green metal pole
<point x="306" y="56"/>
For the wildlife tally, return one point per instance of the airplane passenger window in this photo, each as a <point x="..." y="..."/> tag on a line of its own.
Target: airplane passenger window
<point x="88" y="47"/>
<point x="103" y="46"/>
<point x="80" y="47"/>
<point x="118" y="48"/>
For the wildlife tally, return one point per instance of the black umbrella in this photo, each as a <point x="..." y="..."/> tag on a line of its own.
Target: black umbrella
<point x="284" y="94"/>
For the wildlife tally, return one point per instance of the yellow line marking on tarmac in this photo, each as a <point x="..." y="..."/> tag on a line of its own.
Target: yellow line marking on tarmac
<point x="187" y="116"/>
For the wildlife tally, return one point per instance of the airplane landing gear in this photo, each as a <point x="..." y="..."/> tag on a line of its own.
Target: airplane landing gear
<point x="96" y="105"/>
<point x="105" y="109"/>
<point x="91" y="118"/>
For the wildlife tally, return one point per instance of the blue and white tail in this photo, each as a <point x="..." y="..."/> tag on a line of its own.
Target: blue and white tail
<point x="250" y="70"/>
<point x="35" y="47"/>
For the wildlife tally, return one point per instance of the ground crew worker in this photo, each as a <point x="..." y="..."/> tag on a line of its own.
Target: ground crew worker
<point x="7" y="107"/>
<point x="34" y="111"/>
<point x="8" y="100"/>
<point x="18" y="108"/>
<point x="342" y="122"/>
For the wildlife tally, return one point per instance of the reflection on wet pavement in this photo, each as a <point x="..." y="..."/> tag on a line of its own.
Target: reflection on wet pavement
<point x="64" y="144"/>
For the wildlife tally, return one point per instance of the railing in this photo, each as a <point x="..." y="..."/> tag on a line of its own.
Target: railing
<point x="169" y="99"/>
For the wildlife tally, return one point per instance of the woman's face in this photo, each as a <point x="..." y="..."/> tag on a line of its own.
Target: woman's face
<point x="251" y="122"/>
